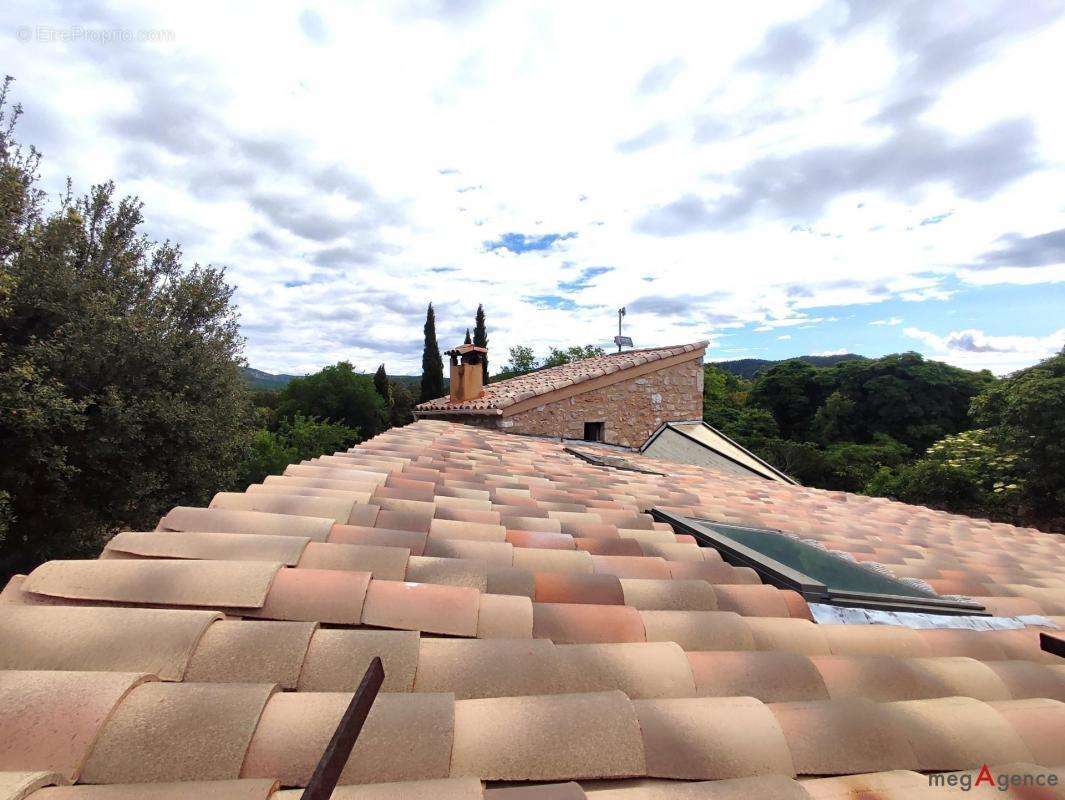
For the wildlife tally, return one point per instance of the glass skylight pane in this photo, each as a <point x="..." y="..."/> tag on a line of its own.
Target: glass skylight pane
<point x="836" y="573"/>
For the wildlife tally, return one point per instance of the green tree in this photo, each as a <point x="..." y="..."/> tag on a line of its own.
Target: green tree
<point x="467" y="340"/>
<point x="1026" y="413"/>
<point x="401" y="410"/>
<point x="522" y="361"/>
<point x="120" y="394"/>
<point x="914" y="401"/>
<point x="480" y="338"/>
<point x="380" y="383"/>
<point x="792" y="392"/>
<point x="556" y="357"/>
<point x="432" y="385"/>
<point x="336" y="394"/>
<point x="269" y="452"/>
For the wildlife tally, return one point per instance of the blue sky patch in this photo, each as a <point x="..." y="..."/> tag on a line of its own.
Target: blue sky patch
<point x="584" y="279"/>
<point x="522" y="243"/>
<point x="552" y="301"/>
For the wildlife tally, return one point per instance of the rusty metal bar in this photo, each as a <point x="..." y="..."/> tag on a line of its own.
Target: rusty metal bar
<point x="327" y="772"/>
<point x="1052" y="644"/>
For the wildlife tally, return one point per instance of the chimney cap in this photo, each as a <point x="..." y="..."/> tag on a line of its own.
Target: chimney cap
<point x="462" y="349"/>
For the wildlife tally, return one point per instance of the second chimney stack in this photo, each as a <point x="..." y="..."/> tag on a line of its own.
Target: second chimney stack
<point x="467" y="374"/>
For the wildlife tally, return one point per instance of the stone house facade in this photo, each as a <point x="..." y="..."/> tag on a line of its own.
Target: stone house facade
<point x="619" y="398"/>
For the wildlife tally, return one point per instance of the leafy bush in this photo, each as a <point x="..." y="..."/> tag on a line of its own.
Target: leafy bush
<point x="269" y="452"/>
<point x="966" y="473"/>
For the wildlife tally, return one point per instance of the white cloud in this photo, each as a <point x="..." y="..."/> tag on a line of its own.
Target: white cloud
<point x="784" y="338"/>
<point x="888" y="321"/>
<point x="841" y="352"/>
<point x="974" y="349"/>
<point x="311" y="154"/>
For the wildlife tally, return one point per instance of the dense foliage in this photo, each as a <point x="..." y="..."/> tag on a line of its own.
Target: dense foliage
<point x="274" y="446"/>
<point x="339" y="394"/>
<point x="903" y="427"/>
<point x="523" y="360"/>
<point x="120" y="395"/>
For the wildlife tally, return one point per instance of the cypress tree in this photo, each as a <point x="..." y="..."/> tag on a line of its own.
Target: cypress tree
<point x="480" y="338"/>
<point x="432" y="367"/>
<point x="380" y="382"/>
<point x="468" y="341"/>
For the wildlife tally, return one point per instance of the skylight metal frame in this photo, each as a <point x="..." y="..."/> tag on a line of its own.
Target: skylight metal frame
<point x="783" y="576"/>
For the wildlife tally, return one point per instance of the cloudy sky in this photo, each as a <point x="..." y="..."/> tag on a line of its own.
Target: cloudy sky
<point x="781" y="178"/>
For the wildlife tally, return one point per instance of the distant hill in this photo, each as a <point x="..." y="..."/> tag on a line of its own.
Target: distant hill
<point x="257" y="379"/>
<point x="749" y="367"/>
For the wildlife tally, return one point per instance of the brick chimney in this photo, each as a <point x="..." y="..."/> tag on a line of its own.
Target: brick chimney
<point x="467" y="374"/>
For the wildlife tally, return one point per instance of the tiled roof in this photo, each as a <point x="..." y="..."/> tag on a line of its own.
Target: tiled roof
<point x="501" y="394"/>
<point x="542" y="637"/>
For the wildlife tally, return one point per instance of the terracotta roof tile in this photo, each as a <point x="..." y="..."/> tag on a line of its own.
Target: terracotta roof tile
<point x="442" y="789"/>
<point x="337" y="659"/>
<point x="640" y="670"/>
<point x="51" y="720"/>
<point x="501" y="553"/>
<point x="314" y="595"/>
<point x="788" y="635"/>
<point x="210" y="546"/>
<point x="771" y="677"/>
<point x="554" y="737"/>
<point x="406" y="737"/>
<point x="336" y="508"/>
<point x="666" y="595"/>
<point x="858" y="640"/>
<point x="632" y="567"/>
<point x="1024" y="679"/>
<point x="557" y="587"/>
<point x="1039" y="722"/>
<point x="223" y="521"/>
<point x="504" y="617"/>
<point x="188" y="790"/>
<point x="154" y="641"/>
<point x="177" y="732"/>
<point x="893" y="785"/>
<point x="698" y="630"/>
<point x="251" y="652"/>
<point x="548" y="541"/>
<point x="957" y="733"/>
<point x="238" y="584"/>
<point x="386" y="563"/>
<point x="565" y="623"/>
<point x="511" y="580"/>
<point x="20" y="785"/>
<point x="843" y="736"/>
<point x="539" y="560"/>
<point x="470" y="572"/>
<point x="414" y="541"/>
<point x="422" y="607"/>
<point x="542" y="791"/>
<point x="712" y="738"/>
<point x="955" y="676"/>
<point x="489" y="668"/>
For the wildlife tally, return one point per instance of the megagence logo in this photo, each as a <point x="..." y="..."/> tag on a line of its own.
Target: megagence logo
<point x="1003" y="781"/>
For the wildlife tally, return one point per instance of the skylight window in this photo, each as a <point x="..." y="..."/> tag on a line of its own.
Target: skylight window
<point x="818" y="575"/>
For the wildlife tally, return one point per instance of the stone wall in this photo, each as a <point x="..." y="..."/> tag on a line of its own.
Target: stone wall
<point x="631" y="409"/>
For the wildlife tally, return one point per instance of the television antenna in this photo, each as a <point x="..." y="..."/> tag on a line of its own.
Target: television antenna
<point x="620" y="340"/>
